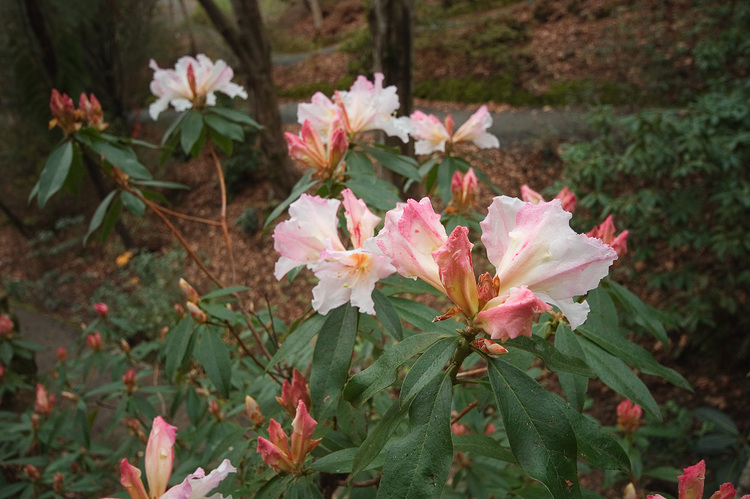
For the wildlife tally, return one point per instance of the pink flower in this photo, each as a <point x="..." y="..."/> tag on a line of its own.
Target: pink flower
<point x="192" y="83"/>
<point x="690" y="485"/>
<point x="606" y="232"/>
<point x="629" y="416"/>
<point x="365" y="106"/>
<point x="566" y="197"/>
<point x="463" y="189"/>
<point x="539" y="262"/>
<point x="102" y="310"/>
<point x="309" y="148"/>
<point x="310" y="237"/>
<point x="433" y="136"/>
<point x="159" y="459"/>
<point x="294" y="392"/>
<point x="288" y="454"/>
<point x="44" y="402"/>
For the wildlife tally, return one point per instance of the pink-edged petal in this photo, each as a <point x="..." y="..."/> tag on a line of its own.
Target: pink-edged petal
<point x="160" y="456"/>
<point x="430" y="134"/>
<point x="273" y="456"/>
<point x="529" y="195"/>
<point x="202" y="484"/>
<point x="457" y="271"/>
<point x="475" y="130"/>
<point x="360" y="221"/>
<point x="655" y="496"/>
<point x="726" y="491"/>
<point x="690" y="484"/>
<point x="497" y="226"/>
<point x="411" y="233"/>
<point x="303" y="428"/>
<point x="568" y="199"/>
<point x="130" y="478"/>
<point x="277" y="436"/>
<point x="512" y="316"/>
<point x="320" y="112"/>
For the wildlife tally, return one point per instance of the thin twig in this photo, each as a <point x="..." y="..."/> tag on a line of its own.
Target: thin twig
<point x="272" y="332"/>
<point x="463" y="413"/>
<point x="464" y="374"/>
<point x="188" y="217"/>
<point x="224" y="228"/>
<point x="248" y="352"/>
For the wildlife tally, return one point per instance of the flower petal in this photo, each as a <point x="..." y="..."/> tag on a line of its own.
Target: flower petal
<point x="159" y="456"/>
<point x="457" y="272"/>
<point x="511" y="316"/>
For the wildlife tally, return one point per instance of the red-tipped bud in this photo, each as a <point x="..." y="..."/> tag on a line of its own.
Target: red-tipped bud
<point x="215" y="410"/>
<point x="196" y="313"/>
<point x="44" y="402"/>
<point x="567" y="199"/>
<point x="460" y="429"/>
<point x="292" y="393"/>
<point x="252" y="410"/>
<point x="130" y="380"/>
<point x="463" y="189"/>
<point x="490" y="429"/>
<point x="606" y="232"/>
<point x="102" y="310"/>
<point x="32" y="472"/>
<point x="90" y="110"/>
<point x="6" y="326"/>
<point x="489" y="347"/>
<point x="62" y="354"/>
<point x="70" y="396"/>
<point x="64" y="113"/>
<point x="529" y="195"/>
<point x="94" y="341"/>
<point x="163" y="333"/>
<point x="449" y="125"/>
<point x="58" y="482"/>
<point x="190" y="293"/>
<point x="36" y="421"/>
<point x="136" y="429"/>
<point x="125" y="346"/>
<point x="629" y="416"/>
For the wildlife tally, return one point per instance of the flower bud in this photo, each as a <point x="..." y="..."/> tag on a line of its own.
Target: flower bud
<point x="125" y="346"/>
<point x="629" y="416"/>
<point x="460" y="429"/>
<point x="196" y="313"/>
<point x="252" y="410"/>
<point x="94" y="341"/>
<point x="179" y="310"/>
<point x="36" y="421"/>
<point x="130" y="380"/>
<point x="215" y="410"/>
<point x="58" y="482"/>
<point x="190" y="293"/>
<point x="62" y="354"/>
<point x="44" y="402"/>
<point x="490" y="429"/>
<point x="6" y="326"/>
<point x="529" y="195"/>
<point x="70" y="396"/>
<point x="32" y="472"/>
<point x="102" y="309"/>
<point x="294" y="392"/>
<point x="136" y="429"/>
<point x="489" y="347"/>
<point x="567" y="199"/>
<point x="163" y="333"/>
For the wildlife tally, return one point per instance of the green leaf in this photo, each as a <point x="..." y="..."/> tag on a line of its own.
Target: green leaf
<point x="301" y="186"/>
<point x="383" y="373"/>
<point x="716" y="443"/>
<point x="176" y="345"/>
<point x="222" y="141"/>
<point x="395" y="284"/>
<point x="195" y="406"/>
<point x="341" y="461"/>
<point x="665" y="473"/>
<point x="642" y="314"/>
<point x="482" y="445"/>
<point x="236" y="116"/>
<point x="552" y="357"/>
<point x="722" y="423"/>
<point x="133" y="204"/>
<point x="635" y="355"/>
<point x="191" y="130"/>
<point x="77" y="171"/>
<point x="298" y="340"/>
<point x="224" y="292"/>
<point x="417" y="465"/>
<point x="303" y="488"/>
<point x="121" y="156"/>
<point x="111" y="218"/>
<point x="357" y="163"/>
<point x="378" y="195"/>
<point x="429" y="365"/>
<point x="376" y="440"/>
<point x="573" y="386"/>
<point x="161" y="183"/>
<point x="595" y="446"/>
<point x="274" y="487"/>
<point x="221" y="312"/>
<point x="225" y="127"/>
<point x="617" y="375"/>
<point x="540" y="437"/>
<point x="444" y="178"/>
<point x="421" y="315"/>
<point x="402" y="165"/>
<point x="333" y="352"/>
<point x="387" y="315"/>
<point x="172" y="127"/>
<point x="55" y="172"/>
<point x="214" y="357"/>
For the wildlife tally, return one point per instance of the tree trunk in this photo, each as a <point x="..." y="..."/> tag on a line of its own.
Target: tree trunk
<point x="317" y="14"/>
<point x="249" y="43"/>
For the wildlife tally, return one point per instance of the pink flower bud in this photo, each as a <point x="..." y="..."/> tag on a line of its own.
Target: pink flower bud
<point x="90" y="110"/>
<point x="58" y="482"/>
<point x="62" y="354"/>
<point x="489" y="347"/>
<point x="490" y="429"/>
<point x="189" y="292"/>
<point x="64" y="113"/>
<point x="253" y="412"/>
<point x="94" y="341"/>
<point x="32" y="472"/>
<point x="196" y="313"/>
<point x="102" y="309"/>
<point x="567" y="199"/>
<point x="294" y="392"/>
<point x="160" y="456"/>
<point x="629" y="416"/>
<point x="288" y="454"/>
<point x="44" y="402"/>
<point x="179" y="310"/>
<point x="125" y="346"/>
<point x="70" y="396"/>
<point x="529" y="195"/>
<point x="130" y="380"/>
<point x="215" y="410"/>
<point x="460" y="429"/>
<point x="6" y="326"/>
<point x="463" y="189"/>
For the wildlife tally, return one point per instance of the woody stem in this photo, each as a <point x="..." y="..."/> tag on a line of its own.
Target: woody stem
<point x="223" y="216"/>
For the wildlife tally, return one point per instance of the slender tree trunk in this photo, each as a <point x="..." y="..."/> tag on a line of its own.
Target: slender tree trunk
<point x="249" y="43"/>
<point x="317" y="14"/>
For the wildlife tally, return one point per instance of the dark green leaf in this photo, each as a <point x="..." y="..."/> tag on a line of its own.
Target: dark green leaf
<point x="417" y="465"/>
<point x="643" y="314"/>
<point x="617" y="375"/>
<point x="298" y="340"/>
<point x="172" y="127"/>
<point x="383" y="373"/>
<point x="722" y="423"/>
<point x="225" y="127"/>
<point x="444" y="178"/>
<point x="176" y="345"/>
<point x="133" y="204"/>
<point x="225" y="291"/>
<point x="540" y="437"/>
<point x="143" y="408"/>
<point x="482" y="445"/>
<point x="195" y="406"/>
<point x="333" y="352"/>
<point x="161" y="183"/>
<point x="301" y="186"/>
<point x="402" y="165"/>
<point x="376" y="440"/>
<point x="274" y="487"/>
<point x="552" y="357"/>
<point x="303" y="487"/>
<point x="716" y="443"/>
<point x="357" y="163"/>
<point x="121" y="156"/>
<point x="191" y="130"/>
<point x="573" y="386"/>
<point x="387" y="315"/>
<point x="111" y="218"/>
<point x="236" y="116"/>
<point x="395" y="284"/>
<point x="341" y="461"/>
<point x="55" y="172"/>
<point x="420" y="315"/>
<point x="75" y="175"/>
<point x="221" y="312"/>
<point x="214" y="357"/>
<point x="224" y="142"/>
<point x="429" y="365"/>
<point x="378" y="195"/>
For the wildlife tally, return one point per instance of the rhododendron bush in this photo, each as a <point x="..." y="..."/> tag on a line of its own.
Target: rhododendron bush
<point x="413" y="371"/>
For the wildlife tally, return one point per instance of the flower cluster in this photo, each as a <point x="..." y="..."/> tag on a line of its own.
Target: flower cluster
<point x="539" y="260"/>
<point x="159" y="458"/>
<point x="288" y="454"/>
<point x="70" y="119"/>
<point x="463" y="190"/>
<point x="192" y="83"/>
<point x="433" y="136"/>
<point x="691" y="485"/>
<point x="325" y="157"/>
<point x="310" y="237"/>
